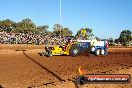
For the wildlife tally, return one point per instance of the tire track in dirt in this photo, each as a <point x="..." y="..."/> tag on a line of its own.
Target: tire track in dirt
<point x="117" y="61"/>
<point x="101" y="63"/>
<point x="55" y="75"/>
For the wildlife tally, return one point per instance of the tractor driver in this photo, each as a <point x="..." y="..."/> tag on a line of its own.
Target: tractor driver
<point x="65" y="44"/>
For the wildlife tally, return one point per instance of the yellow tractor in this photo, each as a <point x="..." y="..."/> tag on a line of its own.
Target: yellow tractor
<point x="69" y="48"/>
<point x="60" y="50"/>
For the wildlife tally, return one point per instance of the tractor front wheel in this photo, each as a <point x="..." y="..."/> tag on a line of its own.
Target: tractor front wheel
<point x="74" y="51"/>
<point x="49" y="54"/>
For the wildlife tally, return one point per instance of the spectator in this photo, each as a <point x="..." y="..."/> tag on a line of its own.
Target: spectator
<point x="25" y="38"/>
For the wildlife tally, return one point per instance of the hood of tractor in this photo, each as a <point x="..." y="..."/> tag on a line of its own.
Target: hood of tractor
<point x="55" y="50"/>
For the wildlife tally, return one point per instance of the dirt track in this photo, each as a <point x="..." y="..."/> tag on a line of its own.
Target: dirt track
<point x="21" y="66"/>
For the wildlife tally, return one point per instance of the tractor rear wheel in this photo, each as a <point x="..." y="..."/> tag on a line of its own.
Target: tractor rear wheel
<point x="102" y="51"/>
<point x="49" y="54"/>
<point x="97" y="52"/>
<point x="74" y="51"/>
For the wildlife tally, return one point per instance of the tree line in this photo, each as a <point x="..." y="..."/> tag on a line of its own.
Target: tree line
<point x="125" y="38"/>
<point x="28" y="26"/>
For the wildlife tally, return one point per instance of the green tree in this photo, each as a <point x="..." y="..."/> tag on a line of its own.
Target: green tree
<point x="43" y="29"/>
<point x="111" y="41"/>
<point x="60" y="30"/>
<point x="6" y="25"/>
<point x="26" y="25"/>
<point x="57" y="29"/>
<point x="67" y="32"/>
<point x="98" y="39"/>
<point x="0" y="25"/>
<point x="87" y="35"/>
<point x="125" y="36"/>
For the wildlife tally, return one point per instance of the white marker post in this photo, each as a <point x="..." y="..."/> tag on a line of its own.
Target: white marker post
<point x="60" y="19"/>
<point x="60" y="12"/>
